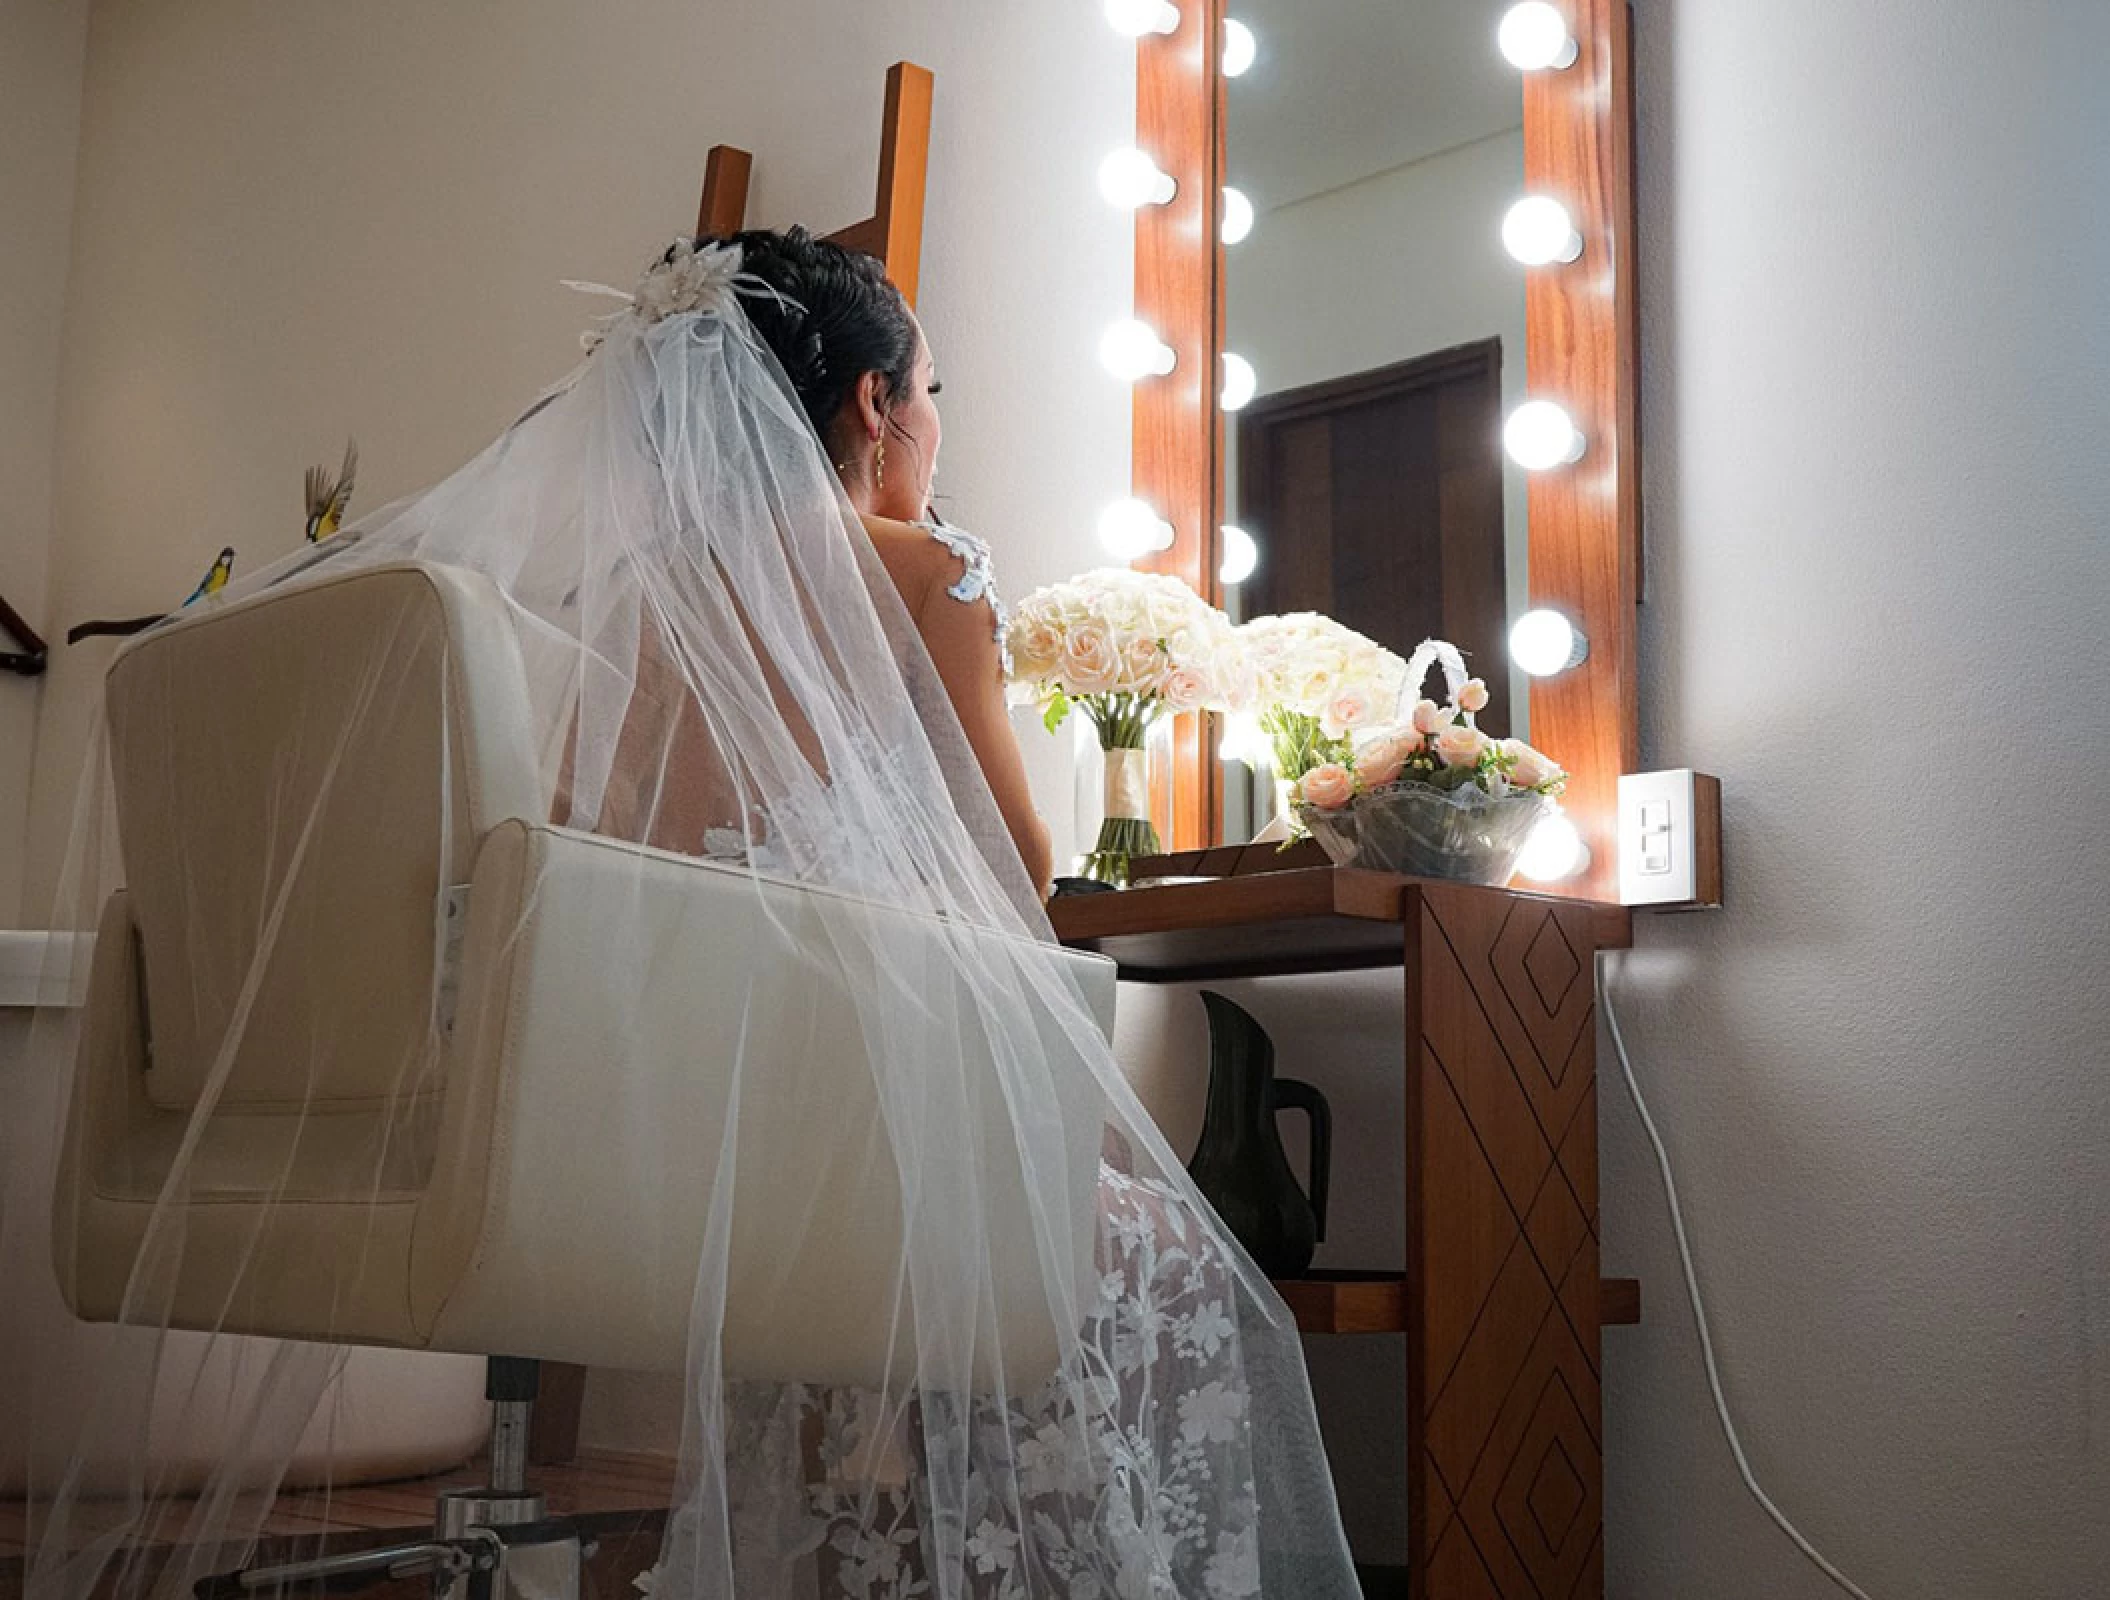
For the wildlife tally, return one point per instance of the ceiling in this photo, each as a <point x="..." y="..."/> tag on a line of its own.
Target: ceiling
<point x="1342" y="89"/>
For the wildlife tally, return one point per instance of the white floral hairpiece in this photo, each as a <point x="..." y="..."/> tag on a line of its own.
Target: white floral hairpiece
<point x="691" y="275"/>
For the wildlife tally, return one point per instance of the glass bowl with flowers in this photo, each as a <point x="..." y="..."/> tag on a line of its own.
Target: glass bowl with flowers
<point x="1431" y="796"/>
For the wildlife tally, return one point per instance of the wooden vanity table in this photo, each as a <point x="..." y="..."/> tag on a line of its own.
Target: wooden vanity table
<point x="1499" y="1296"/>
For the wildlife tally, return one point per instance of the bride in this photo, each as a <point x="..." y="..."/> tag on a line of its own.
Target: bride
<point x="749" y="638"/>
<point x="857" y="362"/>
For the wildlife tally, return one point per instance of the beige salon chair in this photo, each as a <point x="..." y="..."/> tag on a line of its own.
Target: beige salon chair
<point x="484" y="1179"/>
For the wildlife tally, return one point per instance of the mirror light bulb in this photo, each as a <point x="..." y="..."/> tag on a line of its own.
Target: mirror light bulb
<point x="1130" y="529"/>
<point x="1538" y="231"/>
<point x="1243" y="740"/>
<point x="1134" y="18"/>
<point x="1240" y="554"/>
<point x="1539" y="434"/>
<point x="1554" y="851"/>
<point x="1238" y="215"/>
<point x="1131" y="180"/>
<point x="1132" y="351"/>
<point x="1239" y="47"/>
<point x="1544" y="642"/>
<point x="1240" y="382"/>
<point x="1534" y="36"/>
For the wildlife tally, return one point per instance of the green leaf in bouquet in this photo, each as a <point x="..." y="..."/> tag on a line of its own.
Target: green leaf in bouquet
<point x="1057" y="712"/>
<point x="1448" y="778"/>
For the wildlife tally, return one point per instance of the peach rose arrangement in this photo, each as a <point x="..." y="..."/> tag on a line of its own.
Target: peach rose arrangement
<point x="1123" y="648"/>
<point x="1431" y="794"/>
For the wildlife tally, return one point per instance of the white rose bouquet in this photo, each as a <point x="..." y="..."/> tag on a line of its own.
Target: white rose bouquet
<point x="1316" y="683"/>
<point x="1431" y="795"/>
<point x="1123" y="647"/>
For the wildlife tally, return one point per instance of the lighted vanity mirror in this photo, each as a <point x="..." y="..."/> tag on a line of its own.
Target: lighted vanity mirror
<point x="1398" y="345"/>
<point x="1380" y="144"/>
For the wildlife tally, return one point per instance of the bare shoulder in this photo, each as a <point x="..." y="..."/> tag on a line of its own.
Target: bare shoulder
<point x="912" y="558"/>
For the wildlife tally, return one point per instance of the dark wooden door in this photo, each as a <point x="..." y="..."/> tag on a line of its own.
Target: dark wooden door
<point x="1377" y="499"/>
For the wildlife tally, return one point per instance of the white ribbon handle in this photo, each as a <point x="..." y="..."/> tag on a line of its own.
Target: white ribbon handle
<point x="1431" y="652"/>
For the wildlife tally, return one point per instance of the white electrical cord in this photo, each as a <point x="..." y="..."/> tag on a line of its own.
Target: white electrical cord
<point x="1699" y="1312"/>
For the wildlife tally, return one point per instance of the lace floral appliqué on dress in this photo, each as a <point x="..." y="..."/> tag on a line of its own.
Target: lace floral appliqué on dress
<point x="1129" y="1478"/>
<point x="978" y="582"/>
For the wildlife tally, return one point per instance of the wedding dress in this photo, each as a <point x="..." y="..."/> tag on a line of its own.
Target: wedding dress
<point x="718" y="663"/>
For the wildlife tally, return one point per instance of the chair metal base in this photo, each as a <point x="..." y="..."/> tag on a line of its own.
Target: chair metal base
<point x="497" y="1542"/>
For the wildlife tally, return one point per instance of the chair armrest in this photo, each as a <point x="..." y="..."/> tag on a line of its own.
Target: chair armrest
<point x="650" y="1044"/>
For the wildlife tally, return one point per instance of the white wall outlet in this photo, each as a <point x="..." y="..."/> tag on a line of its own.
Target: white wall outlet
<point x="1670" y="839"/>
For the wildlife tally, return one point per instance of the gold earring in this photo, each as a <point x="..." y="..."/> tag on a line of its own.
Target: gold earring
<point x="879" y="463"/>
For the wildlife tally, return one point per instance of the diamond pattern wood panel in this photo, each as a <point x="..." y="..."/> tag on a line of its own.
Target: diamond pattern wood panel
<point x="1506" y="1472"/>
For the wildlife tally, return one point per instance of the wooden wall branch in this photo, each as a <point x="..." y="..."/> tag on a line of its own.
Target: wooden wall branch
<point x="32" y="658"/>
<point x="724" y="204"/>
<point x="894" y="230"/>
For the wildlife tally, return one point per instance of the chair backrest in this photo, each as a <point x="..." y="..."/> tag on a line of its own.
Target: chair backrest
<point x="301" y="773"/>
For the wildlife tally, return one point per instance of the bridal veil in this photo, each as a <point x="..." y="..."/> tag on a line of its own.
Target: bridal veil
<point x="712" y="668"/>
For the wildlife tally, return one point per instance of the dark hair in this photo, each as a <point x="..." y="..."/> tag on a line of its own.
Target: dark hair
<point x="839" y="318"/>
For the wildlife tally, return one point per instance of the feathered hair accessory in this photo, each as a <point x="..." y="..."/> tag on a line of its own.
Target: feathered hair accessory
<point x="689" y="275"/>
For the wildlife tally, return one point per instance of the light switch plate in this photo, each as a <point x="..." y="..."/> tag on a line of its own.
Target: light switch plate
<point x="1670" y="839"/>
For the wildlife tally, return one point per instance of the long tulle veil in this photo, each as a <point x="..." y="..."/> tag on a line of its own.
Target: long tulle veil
<point x="712" y="666"/>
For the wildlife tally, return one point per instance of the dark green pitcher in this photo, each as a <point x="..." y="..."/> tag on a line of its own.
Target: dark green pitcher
<point x="1239" y="1164"/>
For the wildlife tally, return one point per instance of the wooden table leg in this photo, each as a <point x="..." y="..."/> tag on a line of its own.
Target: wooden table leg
<point x="1505" y="1471"/>
<point x="553" y="1435"/>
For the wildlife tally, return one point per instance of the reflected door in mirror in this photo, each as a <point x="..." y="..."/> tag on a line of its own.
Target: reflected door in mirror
<point x="1378" y="501"/>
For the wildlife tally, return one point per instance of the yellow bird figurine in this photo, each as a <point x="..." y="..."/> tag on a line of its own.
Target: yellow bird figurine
<point x="216" y="576"/>
<point x="327" y="497"/>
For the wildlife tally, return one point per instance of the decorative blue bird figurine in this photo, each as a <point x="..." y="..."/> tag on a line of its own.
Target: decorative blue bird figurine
<point x="213" y="582"/>
<point x="216" y="576"/>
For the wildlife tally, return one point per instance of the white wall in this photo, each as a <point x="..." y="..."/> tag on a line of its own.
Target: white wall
<point x="40" y="111"/>
<point x="1404" y="263"/>
<point x="305" y="220"/>
<point x="1875" y="349"/>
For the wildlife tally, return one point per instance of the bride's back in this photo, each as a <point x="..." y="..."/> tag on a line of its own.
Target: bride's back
<point x="671" y="785"/>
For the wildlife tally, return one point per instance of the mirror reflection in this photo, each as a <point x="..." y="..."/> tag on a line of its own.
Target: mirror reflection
<point x="1380" y="143"/>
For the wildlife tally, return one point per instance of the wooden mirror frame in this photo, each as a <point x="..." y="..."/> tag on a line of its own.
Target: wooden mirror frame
<point x="1581" y="342"/>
